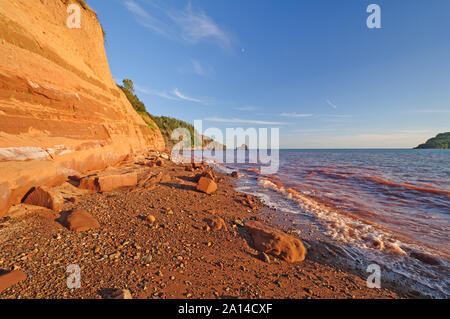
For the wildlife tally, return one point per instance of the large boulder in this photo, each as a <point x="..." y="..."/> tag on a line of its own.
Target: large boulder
<point x="206" y="185"/>
<point x="108" y="182"/>
<point x="80" y="220"/>
<point x="43" y="196"/>
<point x="10" y="279"/>
<point x="275" y="243"/>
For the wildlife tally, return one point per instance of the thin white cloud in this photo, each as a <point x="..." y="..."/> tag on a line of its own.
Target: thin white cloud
<point x="144" y="18"/>
<point x="246" y="108"/>
<point x="295" y="115"/>
<point x="432" y="111"/>
<point x="414" y="131"/>
<point x="201" y="69"/>
<point x="306" y="131"/>
<point x="190" y="25"/>
<point x="242" y="121"/>
<point x="162" y="94"/>
<point x="331" y="104"/>
<point x="174" y="95"/>
<point x="197" y="26"/>
<point x="180" y="95"/>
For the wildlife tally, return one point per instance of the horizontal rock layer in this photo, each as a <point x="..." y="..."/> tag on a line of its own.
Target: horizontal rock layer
<point x="61" y="112"/>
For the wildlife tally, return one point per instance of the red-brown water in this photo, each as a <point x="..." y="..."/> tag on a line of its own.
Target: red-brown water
<point x="389" y="206"/>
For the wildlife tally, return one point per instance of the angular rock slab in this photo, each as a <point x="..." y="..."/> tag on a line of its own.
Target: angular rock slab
<point x="276" y="243"/>
<point x="206" y="185"/>
<point x="11" y="278"/>
<point x="43" y="196"/>
<point x="108" y="182"/>
<point x="80" y="220"/>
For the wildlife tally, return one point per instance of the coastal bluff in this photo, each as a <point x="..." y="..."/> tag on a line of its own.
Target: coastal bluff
<point x="61" y="112"/>
<point x="440" y="141"/>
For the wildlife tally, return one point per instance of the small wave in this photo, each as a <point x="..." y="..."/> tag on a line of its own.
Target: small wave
<point x="345" y="227"/>
<point x="413" y="187"/>
<point x="369" y="239"/>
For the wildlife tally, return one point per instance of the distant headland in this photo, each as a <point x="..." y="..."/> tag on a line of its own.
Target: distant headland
<point x="441" y="141"/>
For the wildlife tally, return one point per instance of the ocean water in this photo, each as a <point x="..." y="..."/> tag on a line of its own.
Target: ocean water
<point x="389" y="207"/>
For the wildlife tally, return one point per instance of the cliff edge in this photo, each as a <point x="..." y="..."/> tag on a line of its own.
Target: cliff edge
<point x="61" y="112"/>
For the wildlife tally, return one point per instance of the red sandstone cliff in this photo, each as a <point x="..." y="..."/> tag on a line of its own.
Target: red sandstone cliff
<point x="60" y="109"/>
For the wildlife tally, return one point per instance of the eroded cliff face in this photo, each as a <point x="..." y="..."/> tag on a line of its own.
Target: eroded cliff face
<point x="60" y="109"/>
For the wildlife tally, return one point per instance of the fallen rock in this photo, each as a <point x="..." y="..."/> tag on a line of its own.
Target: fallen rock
<point x="206" y="185"/>
<point x="43" y="196"/>
<point x="80" y="220"/>
<point x="151" y="219"/>
<point x="276" y="243"/>
<point x="152" y="179"/>
<point x="10" y="279"/>
<point x="216" y="223"/>
<point x="117" y="294"/>
<point x="108" y="182"/>
<point x="209" y="175"/>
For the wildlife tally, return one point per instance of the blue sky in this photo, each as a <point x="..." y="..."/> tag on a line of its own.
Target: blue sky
<point x="311" y="68"/>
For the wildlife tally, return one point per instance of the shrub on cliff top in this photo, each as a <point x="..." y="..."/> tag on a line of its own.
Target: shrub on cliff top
<point x="165" y="124"/>
<point x="128" y="89"/>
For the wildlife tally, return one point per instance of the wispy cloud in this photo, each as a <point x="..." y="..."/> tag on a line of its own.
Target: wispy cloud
<point x="295" y="115"/>
<point x="414" y="131"/>
<point x="201" y="69"/>
<point x="331" y="104"/>
<point x="174" y="95"/>
<point x="162" y="94"/>
<point x="180" y="95"/>
<point x="189" y="24"/>
<point x="243" y="121"/>
<point x="432" y="111"/>
<point x="247" y="108"/>
<point x="337" y="118"/>
<point x="144" y="18"/>
<point x="307" y="131"/>
<point x="197" y="26"/>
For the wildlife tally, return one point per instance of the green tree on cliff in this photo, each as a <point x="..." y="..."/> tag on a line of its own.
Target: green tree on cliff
<point x="128" y="89"/>
<point x="129" y="85"/>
